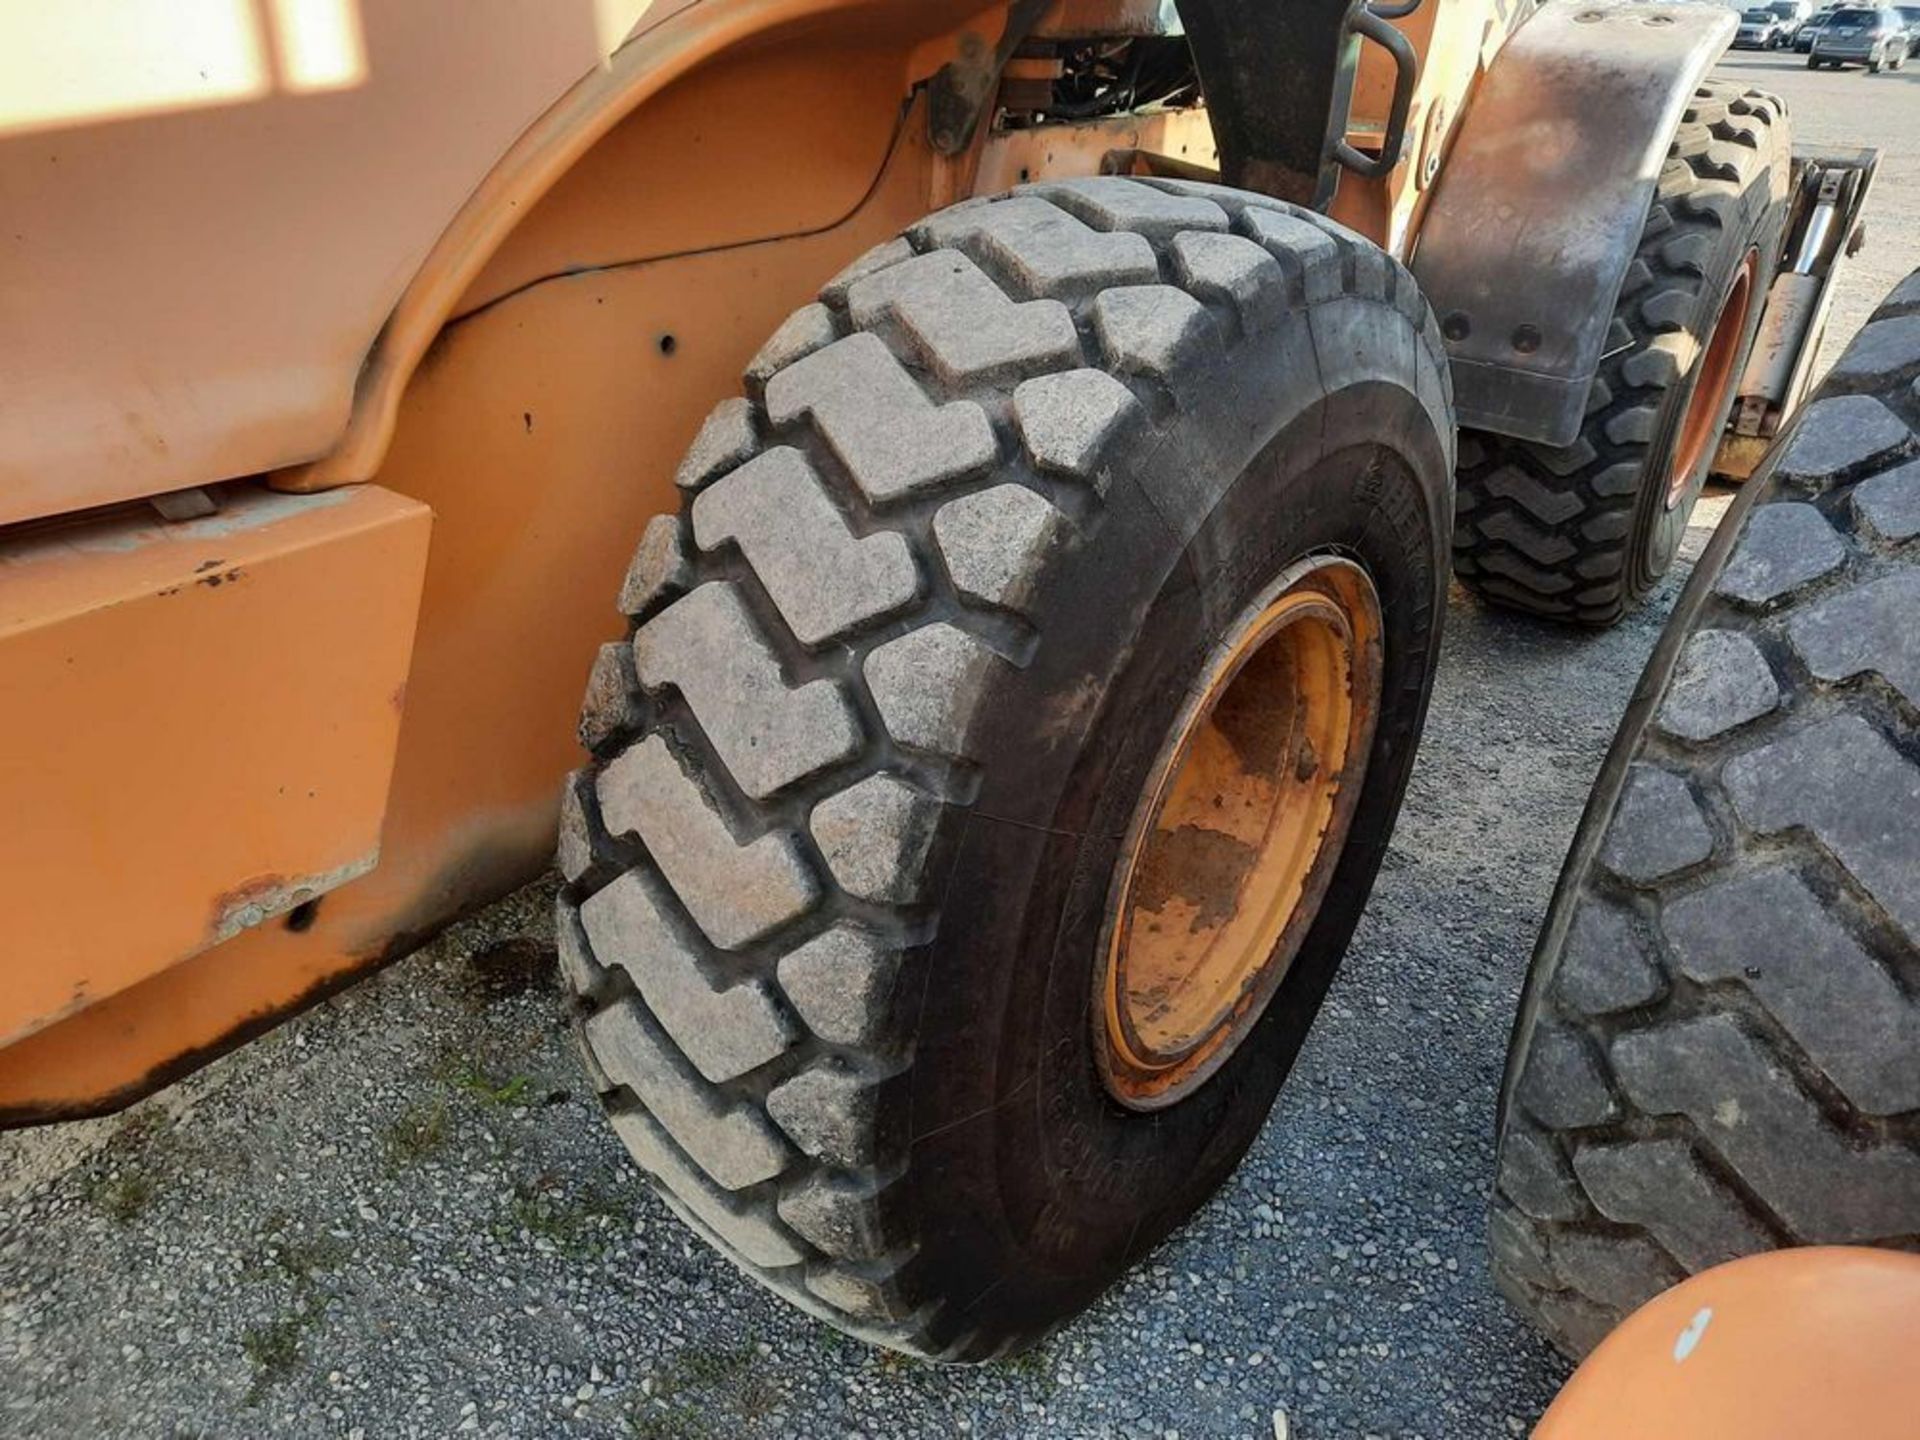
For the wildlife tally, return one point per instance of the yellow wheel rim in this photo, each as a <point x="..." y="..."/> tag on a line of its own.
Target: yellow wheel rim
<point x="1238" y="831"/>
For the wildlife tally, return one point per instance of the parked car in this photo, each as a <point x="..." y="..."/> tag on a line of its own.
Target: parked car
<point x="1876" y="39"/>
<point x="1810" y="28"/>
<point x="1793" y="14"/>
<point x="1760" y="29"/>
<point x="1910" y="17"/>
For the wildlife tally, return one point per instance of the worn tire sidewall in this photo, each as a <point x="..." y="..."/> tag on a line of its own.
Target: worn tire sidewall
<point x="1611" y="781"/>
<point x="1027" y="1181"/>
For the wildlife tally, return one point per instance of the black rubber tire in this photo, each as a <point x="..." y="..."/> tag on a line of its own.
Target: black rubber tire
<point x="1718" y="1051"/>
<point x="835" y="963"/>
<point x="1582" y="532"/>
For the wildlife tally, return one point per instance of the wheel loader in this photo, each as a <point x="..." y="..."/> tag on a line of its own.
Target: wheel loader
<point x="996" y="469"/>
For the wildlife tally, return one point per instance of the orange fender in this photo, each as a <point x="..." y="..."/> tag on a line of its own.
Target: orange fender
<point x="1792" y="1345"/>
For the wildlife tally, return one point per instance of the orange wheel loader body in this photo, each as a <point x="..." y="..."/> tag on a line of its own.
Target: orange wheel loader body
<point x="1782" y="1346"/>
<point x="456" y="282"/>
<point x="460" y="282"/>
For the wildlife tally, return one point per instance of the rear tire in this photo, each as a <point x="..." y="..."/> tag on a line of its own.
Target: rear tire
<point x="837" y="876"/>
<point x="1582" y="532"/>
<point x="1719" y="1048"/>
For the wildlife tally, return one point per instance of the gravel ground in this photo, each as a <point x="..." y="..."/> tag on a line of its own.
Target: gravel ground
<point x="402" y="1215"/>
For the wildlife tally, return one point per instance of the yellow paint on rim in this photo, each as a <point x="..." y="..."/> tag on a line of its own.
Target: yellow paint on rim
<point x="1238" y="831"/>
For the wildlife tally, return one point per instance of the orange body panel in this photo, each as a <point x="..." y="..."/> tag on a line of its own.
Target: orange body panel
<point x="542" y="429"/>
<point x="213" y="205"/>
<point x="200" y="722"/>
<point x="535" y="383"/>
<point x="913" y="36"/>
<point x="1784" y="1346"/>
<point x="1455" y="41"/>
<point x="1015" y="156"/>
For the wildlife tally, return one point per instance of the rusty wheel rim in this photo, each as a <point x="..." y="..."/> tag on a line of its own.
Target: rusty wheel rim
<point x="1238" y="831"/>
<point x="1706" y="410"/>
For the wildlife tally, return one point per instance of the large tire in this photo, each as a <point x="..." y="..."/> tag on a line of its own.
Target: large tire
<point x="1718" y="1051"/>
<point x="836" y="876"/>
<point x="1582" y="532"/>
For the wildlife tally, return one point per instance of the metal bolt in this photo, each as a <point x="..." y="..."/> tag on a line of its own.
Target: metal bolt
<point x="1456" y="326"/>
<point x="1526" y="338"/>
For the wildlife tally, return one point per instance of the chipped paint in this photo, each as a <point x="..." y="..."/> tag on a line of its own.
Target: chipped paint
<point x="266" y="896"/>
<point x="238" y="790"/>
<point x="1689" y="1339"/>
